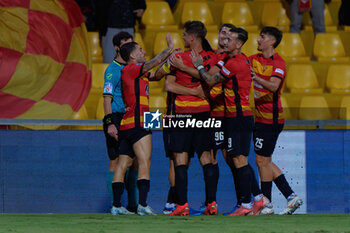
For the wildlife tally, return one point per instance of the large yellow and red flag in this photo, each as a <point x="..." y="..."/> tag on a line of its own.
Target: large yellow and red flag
<point x="45" y="70"/>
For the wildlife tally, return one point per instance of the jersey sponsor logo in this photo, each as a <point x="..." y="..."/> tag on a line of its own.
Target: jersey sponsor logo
<point x="109" y="76"/>
<point x="108" y="88"/>
<point x="151" y="120"/>
<point x="280" y="71"/>
<point x="225" y="71"/>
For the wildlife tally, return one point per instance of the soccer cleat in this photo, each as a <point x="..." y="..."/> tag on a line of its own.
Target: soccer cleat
<point x="195" y="212"/>
<point x="234" y="209"/>
<point x="181" y="210"/>
<point x="212" y="209"/>
<point x="259" y="205"/>
<point x="120" y="211"/>
<point x="292" y="204"/>
<point x="242" y="211"/>
<point x="267" y="210"/>
<point x="141" y="210"/>
<point x="169" y="208"/>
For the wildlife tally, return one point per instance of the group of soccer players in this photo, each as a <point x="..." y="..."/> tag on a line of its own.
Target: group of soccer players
<point x="203" y="84"/>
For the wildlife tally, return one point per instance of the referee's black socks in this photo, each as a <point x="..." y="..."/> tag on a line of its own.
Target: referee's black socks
<point x="181" y="184"/>
<point x="143" y="186"/>
<point x="118" y="189"/>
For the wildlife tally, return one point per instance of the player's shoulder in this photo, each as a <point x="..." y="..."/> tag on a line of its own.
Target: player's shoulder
<point x="278" y="59"/>
<point x="255" y="56"/>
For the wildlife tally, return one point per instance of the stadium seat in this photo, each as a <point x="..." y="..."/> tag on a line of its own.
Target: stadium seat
<point x="251" y="46"/>
<point x="95" y="46"/>
<point x="344" y="110"/>
<point x="100" y="112"/>
<point x="328" y="47"/>
<point x="213" y="39"/>
<point x="157" y="102"/>
<point x="338" y="79"/>
<point x="292" y="48"/>
<point x="302" y="79"/>
<point x="160" y="42"/>
<point x="238" y="14"/>
<point x="269" y="16"/>
<point x="98" y="71"/>
<point x="198" y="11"/>
<point x="314" y="108"/>
<point x="287" y="111"/>
<point x="158" y="17"/>
<point x="330" y="27"/>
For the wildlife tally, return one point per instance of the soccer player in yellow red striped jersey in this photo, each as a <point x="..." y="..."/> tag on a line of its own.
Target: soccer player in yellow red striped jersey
<point x="184" y="142"/>
<point x="134" y="139"/>
<point x="235" y="74"/>
<point x="268" y="74"/>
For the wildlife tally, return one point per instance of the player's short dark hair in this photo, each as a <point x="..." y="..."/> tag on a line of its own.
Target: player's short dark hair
<point x="275" y="32"/>
<point x="228" y="25"/>
<point x="242" y="34"/>
<point x="127" y="49"/>
<point x="198" y="29"/>
<point x="117" y="39"/>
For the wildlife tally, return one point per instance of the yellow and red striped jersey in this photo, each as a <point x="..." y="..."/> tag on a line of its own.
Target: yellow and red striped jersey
<point x="268" y="104"/>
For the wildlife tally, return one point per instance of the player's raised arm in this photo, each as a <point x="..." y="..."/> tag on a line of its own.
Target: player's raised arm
<point x="161" y="56"/>
<point x="211" y="80"/>
<point x="272" y="85"/>
<point x="172" y="86"/>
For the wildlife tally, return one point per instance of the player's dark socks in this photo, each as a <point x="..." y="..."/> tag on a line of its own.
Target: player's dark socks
<point x="283" y="186"/>
<point x="118" y="189"/>
<point x="217" y="172"/>
<point x="245" y="177"/>
<point x="266" y="188"/>
<point x="143" y="186"/>
<point x="181" y="184"/>
<point x="236" y="183"/>
<point x="171" y="195"/>
<point x="210" y="182"/>
<point x="255" y="186"/>
<point x="131" y="187"/>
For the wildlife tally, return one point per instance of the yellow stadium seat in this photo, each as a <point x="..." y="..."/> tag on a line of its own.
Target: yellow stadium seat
<point x="157" y="102"/>
<point x="98" y="71"/>
<point x="344" y="110"/>
<point x="213" y="39"/>
<point x="287" y="111"/>
<point x="251" y="46"/>
<point x="292" y="48"/>
<point x="328" y="47"/>
<point x="160" y="42"/>
<point x="158" y="16"/>
<point x="100" y="111"/>
<point x="238" y="14"/>
<point x="138" y="39"/>
<point x="274" y="14"/>
<point x="338" y="79"/>
<point x="314" y="108"/>
<point x="330" y="27"/>
<point x="95" y="46"/>
<point x="302" y="79"/>
<point x="198" y="11"/>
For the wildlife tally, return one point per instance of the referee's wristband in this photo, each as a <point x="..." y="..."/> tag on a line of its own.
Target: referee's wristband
<point x="200" y="67"/>
<point x="107" y="120"/>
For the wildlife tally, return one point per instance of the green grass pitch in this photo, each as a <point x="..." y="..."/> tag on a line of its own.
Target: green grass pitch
<point x="103" y="223"/>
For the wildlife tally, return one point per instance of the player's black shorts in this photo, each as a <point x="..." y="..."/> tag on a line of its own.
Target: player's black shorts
<point x="218" y="135"/>
<point x="238" y="135"/>
<point x="129" y="137"/>
<point x="191" y="140"/>
<point x="112" y="144"/>
<point x="265" y="138"/>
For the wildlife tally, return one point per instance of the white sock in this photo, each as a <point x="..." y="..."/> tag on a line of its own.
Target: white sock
<point x="258" y="197"/>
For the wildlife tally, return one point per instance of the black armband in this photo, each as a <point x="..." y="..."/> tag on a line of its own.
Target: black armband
<point x="107" y="120"/>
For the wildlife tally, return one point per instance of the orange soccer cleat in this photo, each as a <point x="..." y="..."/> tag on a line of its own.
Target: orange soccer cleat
<point x="259" y="205"/>
<point x="212" y="209"/>
<point x="181" y="210"/>
<point x="242" y="211"/>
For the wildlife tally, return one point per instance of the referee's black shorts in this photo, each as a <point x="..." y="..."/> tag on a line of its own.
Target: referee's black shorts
<point x="112" y="144"/>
